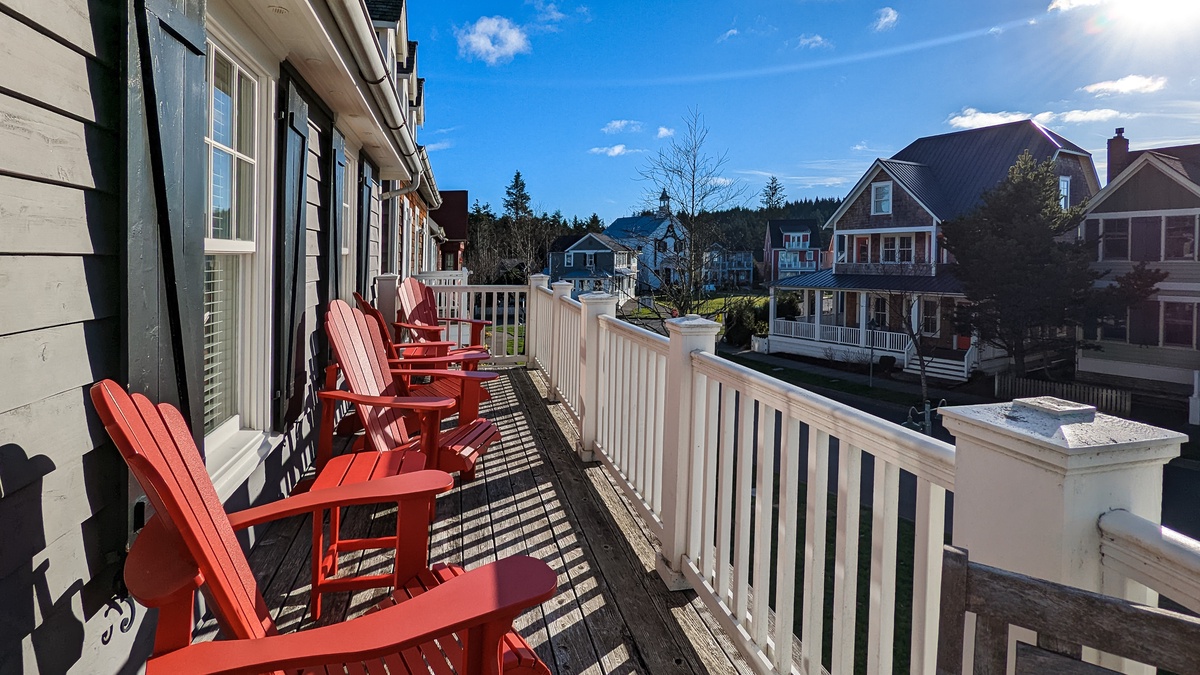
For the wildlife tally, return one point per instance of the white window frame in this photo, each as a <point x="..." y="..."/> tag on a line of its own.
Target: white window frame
<point x="234" y="448"/>
<point x="875" y="188"/>
<point x="876" y="311"/>
<point x="892" y="244"/>
<point x="937" y="318"/>
<point x="870" y="247"/>
<point x="568" y="259"/>
<point x="900" y="249"/>
<point x="1064" y="192"/>
<point x="589" y="260"/>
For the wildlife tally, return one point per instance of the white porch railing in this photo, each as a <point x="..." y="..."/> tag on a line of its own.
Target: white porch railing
<point x="843" y="335"/>
<point x="742" y="477"/>
<point x="504" y="306"/>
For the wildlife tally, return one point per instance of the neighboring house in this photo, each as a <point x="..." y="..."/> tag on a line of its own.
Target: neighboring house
<point x="792" y="247"/>
<point x="888" y="261"/>
<point x="1149" y="213"/>
<point x="659" y="241"/>
<point x="728" y="269"/>
<point x="186" y="186"/>
<point x="453" y="219"/>
<point x="594" y="263"/>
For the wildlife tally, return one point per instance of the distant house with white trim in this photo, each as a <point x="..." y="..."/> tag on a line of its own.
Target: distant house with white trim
<point x="594" y="263"/>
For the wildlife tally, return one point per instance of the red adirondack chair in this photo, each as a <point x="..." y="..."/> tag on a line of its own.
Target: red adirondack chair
<point x="437" y="619"/>
<point x="468" y="357"/>
<point x="359" y="352"/>
<point x="421" y="318"/>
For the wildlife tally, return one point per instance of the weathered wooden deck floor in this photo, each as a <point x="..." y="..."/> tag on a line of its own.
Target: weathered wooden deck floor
<point x="612" y="613"/>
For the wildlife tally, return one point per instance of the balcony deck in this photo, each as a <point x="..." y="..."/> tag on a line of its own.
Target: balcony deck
<point x="612" y="613"/>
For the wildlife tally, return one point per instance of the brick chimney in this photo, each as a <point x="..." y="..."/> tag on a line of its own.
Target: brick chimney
<point x="1118" y="154"/>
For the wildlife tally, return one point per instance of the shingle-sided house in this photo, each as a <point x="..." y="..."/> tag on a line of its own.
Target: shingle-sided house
<point x="791" y="247"/>
<point x="888" y="262"/>
<point x="594" y="262"/>
<point x="1148" y="212"/>
<point x="185" y="187"/>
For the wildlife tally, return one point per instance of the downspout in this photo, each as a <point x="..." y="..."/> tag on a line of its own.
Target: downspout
<point x="353" y="20"/>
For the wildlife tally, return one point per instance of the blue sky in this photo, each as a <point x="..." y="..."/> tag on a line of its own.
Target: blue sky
<point x="578" y="95"/>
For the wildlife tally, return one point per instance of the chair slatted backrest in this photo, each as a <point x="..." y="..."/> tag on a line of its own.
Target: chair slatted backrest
<point x="158" y="447"/>
<point x="359" y="351"/>
<point x="419" y="302"/>
<point x="373" y="313"/>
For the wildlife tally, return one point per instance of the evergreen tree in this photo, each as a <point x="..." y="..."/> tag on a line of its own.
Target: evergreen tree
<point x="516" y="199"/>
<point x="772" y="195"/>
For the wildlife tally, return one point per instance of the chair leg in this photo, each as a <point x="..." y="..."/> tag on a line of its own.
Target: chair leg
<point x="318" y="563"/>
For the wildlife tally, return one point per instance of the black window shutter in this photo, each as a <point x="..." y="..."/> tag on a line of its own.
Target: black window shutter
<point x="333" y="256"/>
<point x="368" y="180"/>
<point x="1145" y="238"/>
<point x="165" y="237"/>
<point x="289" y="378"/>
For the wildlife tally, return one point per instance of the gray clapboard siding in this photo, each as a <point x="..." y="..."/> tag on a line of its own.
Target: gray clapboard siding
<point x="1171" y="357"/>
<point x="45" y="218"/>
<point x="77" y="23"/>
<point x="43" y="291"/>
<point x="57" y="429"/>
<point x="54" y="75"/>
<point x="46" y="362"/>
<point x="1177" y="271"/>
<point x="43" y="145"/>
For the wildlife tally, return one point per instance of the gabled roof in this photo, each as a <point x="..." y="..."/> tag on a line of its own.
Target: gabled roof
<point x="1181" y="163"/>
<point x="632" y="227"/>
<point x="949" y="173"/>
<point x="944" y="283"/>
<point x="570" y="241"/>
<point x="564" y="242"/>
<point x="777" y="228"/>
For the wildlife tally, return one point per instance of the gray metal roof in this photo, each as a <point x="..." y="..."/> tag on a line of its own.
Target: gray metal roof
<point x="634" y="227"/>
<point x="945" y="283"/>
<point x="950" y="172"/>
<point x="385" y="10"/>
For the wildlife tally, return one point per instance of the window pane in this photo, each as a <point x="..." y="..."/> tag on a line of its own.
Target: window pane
<point x="1091" y="238"/>
<point x="1181" y="238"/>
<point x="1114" y="328"/>
<point x="246" y="115"/>
<point x="1116" y="239"/>
<point x="222" y="93"/>
<point x="220" y="339"/>
<point x="244" y="213"/>
<point x="1177" y="324"/>
<point x="221" y="219"/>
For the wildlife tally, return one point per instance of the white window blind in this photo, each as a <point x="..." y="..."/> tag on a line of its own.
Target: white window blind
<point x="221" y="290"/>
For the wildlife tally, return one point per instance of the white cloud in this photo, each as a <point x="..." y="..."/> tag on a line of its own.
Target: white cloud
<point x="548" y="12"/>
<point x="1068" y="5"/>
<point x="721" y="181"/>
<point x="996" y="30"/>
<point x="440" y="145"/>
<point x="885" y="19"/>
<point x="614" y="151"/>
<point x="622" y="126"/>
<point x="665" y="132"/>
<point x="727" y="34"/>
<point x="1130" y="84"/>
<point x="970" y="118"/>
<point x="861" y="146"/>
<point x="813" y="41"/>
<point x="492" y="39"/>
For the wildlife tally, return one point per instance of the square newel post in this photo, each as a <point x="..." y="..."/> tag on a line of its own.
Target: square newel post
<point x="771" y="315"/>
<point x="533" y="321"/>
<point x="595" y="305"/>
<point x="688" y="334"/>
<point x="386" y="297"/>
<point x="863" y="335"/>
<point x="561" y="289"/>
<point x="1032" y="478"/>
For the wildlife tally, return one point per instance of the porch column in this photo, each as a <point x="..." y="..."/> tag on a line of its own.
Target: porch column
<point x="913" y="319"/>
<point x="1033" y="476"/>
<point x="771" y="313"/>
<point x="819" y="297"/>
<point x="688" y="334"/>
<point x="386" y="297"/>
<point x="561" y="289"/>
<point x="533" y="322"/>
<point x="591" y="407"/>
<point x="862" y="319"/>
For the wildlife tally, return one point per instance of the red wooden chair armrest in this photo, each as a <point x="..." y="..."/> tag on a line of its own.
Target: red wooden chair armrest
<point x="475" y="375"/>
<point x="484" y="601"/>
<point x="420" y="327"/>
<point x="421" y="403"/>
<point x="428" y="344"/>
<point x="473" y="322"/>
<point x="430" y="360"/>
<point x="411" y="486"/>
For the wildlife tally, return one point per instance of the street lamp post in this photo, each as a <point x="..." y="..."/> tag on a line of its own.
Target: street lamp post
<point x="871" y="327"/>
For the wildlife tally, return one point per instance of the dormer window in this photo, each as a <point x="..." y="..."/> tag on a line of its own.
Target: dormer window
<point x="794" y="240"/>
<point x="881" y="198"/>
<point x="1064" y="192"/>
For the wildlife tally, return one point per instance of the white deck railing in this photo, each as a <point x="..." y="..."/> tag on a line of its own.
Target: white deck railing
<point x="504" y="306"/>
<point x="843" y="335"/>
<point x="743" y="477"/>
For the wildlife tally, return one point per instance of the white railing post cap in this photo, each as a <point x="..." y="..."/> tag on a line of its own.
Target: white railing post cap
<point x="562" y="287"/>
<point x="538" y="278"/>
<point x="1067" y="435"/>
<point x="693" y="324"/>
<point x="595" y="297"/>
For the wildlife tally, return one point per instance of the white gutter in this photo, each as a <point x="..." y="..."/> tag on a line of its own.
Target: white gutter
<point x="354" y="21"/>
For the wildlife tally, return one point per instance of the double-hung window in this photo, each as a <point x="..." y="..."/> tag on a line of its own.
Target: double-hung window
<point x="1064" y="192"/>
<point x="931" y="317"/>
<point x="881" y="198"/>
<point x="1115" y="239"/>
<point x="879" y="313"/>
<point x="905" y="253"/>
<point x="229" y="238"/>
<point x="591" y="260"/>
<point x="889" y="250"/>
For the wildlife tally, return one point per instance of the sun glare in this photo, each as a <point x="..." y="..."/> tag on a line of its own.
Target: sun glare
<point x="1153" y="15"/>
